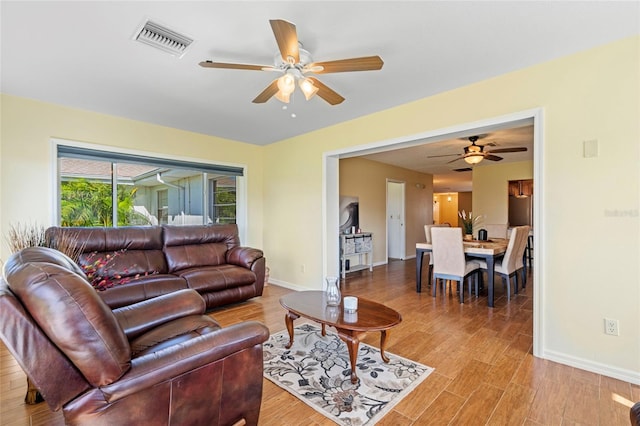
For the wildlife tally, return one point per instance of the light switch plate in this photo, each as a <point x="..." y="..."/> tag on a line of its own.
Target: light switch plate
<point x="590" y="148"/>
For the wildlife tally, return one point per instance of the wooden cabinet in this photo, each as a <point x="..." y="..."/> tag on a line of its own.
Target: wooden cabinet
<point x="356" y="248"/>
<point x="521" y="187"/>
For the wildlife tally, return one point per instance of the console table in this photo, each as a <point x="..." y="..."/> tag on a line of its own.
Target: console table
<point x="356" y="246"/>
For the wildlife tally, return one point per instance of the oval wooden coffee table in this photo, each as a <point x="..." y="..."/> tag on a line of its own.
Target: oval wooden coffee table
<point x="370" y="316"/>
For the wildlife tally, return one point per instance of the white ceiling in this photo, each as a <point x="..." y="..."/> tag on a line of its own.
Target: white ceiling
<point x="81" y="54"/>
<point x="442" y="158"/>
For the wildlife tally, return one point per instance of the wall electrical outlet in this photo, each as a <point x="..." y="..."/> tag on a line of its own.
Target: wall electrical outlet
<point x="611" y="327"/>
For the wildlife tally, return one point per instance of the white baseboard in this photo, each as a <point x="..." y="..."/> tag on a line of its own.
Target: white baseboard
<point x="288" y="285"/>
<point x="594" y="367"/>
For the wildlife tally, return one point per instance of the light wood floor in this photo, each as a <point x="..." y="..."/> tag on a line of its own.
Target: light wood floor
<point x="484" y="370"/>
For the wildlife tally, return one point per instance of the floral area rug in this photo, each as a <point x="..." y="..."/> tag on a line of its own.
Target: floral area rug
<point x="316" y="369"/>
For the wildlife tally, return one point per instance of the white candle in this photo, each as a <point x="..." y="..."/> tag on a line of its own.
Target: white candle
<point x="350" y="303"/>
<point x="350" y="317"/>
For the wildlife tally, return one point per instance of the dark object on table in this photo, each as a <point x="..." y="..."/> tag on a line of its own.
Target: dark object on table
<point x="483" y="235"/>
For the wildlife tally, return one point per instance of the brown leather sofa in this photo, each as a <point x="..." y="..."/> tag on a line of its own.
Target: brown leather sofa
<point x="156" y="260"/>
<point x="160" y="361"/>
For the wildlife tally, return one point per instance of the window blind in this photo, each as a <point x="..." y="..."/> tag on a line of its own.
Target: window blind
<point x="116" y="157"/>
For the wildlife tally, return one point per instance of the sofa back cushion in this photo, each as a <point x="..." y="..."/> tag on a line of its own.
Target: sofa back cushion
<point x="70" y="313"/>
<point x="198" y="245"/>
<point x="124" y="252"/>
<point x="55" y="376"/>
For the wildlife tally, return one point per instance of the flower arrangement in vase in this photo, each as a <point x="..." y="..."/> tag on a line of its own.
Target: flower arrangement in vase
<point x="468" y="222"/>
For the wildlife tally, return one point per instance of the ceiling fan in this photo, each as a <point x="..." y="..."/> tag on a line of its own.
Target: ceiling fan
<point x="473" y="154"/>
<point x="295" y="63"/>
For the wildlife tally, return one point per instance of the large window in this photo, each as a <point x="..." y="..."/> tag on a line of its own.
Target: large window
<point x="222" y="197"/>
<point x="100" y="188"/>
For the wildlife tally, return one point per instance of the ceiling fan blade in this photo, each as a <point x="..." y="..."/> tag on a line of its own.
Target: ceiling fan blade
<point x="492" y="157"/>
<point x="287" y="39"/>
<point x="499" y="150"/>
<point x="366" y="63"/>
<point x="267" y="93"/>
<point x="438" y="156"/>
<point x="209" y="64"/>
<point x="464" y="169"/>
<point x="459" y="158"/>
<point x="327" y="93"/>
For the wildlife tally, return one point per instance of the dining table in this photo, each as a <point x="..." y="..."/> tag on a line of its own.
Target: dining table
<point x="489" y="250"/>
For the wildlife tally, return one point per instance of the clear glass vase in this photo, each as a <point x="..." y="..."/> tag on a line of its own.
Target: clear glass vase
<point x="333" y="291"/>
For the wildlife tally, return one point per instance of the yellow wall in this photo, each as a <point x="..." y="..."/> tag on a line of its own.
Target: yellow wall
<point x="465" y="202"/>
<point x="448" y="207"/>
<point x="368" y="181"/>
<point x="26" y="156"/>
<point x="590" y="95"/>
<point x="490" y="189"/>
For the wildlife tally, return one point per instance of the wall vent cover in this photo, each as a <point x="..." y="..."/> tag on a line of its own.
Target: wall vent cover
<point x="163" y="38"/>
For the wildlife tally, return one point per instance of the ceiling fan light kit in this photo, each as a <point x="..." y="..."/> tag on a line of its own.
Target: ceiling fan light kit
<point x="294" y="62"/>
<point x="308" y="88"/>
<point x="473" y="158"/>
<point x="286" y="86"/>
<point x="474" y="154"/>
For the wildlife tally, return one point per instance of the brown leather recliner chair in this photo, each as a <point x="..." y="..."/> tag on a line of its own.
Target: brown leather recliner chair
<point x="160" y="361"/>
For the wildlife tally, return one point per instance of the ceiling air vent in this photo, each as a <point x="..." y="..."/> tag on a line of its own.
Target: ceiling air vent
<point x="163" y="38"/>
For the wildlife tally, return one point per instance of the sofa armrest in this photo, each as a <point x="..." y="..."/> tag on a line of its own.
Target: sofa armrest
<point x="634" y="414"/>
<point x="141" y="317"/>
<point x="243" y="256"/>
<point x="152" y="369"/>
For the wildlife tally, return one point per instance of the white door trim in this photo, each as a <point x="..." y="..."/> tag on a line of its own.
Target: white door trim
<point x="330" y="194"/>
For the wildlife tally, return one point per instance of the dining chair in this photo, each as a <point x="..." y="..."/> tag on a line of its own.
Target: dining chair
<point x="528" y="252"/>
<point x="521" y="263"/>
<point x="427" y="234"/>
<point x="511" y="262"/>
<point x="449" y="263"/>
<point x="496" y="230"/>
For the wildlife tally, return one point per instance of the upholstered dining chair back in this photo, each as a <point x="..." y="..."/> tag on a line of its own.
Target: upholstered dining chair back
<point x="449" y="263"/>
<point x="522" y="246"/>
<point x="427" y="230"/>
<point x="496" y="230"/>
<point x="448" y="251"/>
<point x="512" y="260"/>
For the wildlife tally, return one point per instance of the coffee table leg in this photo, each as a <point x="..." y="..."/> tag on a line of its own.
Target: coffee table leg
<point x="419" y="254"/>
<point x="353" y="342"/>
<point x="383" y="343"/>
<point x="288" y="320"/>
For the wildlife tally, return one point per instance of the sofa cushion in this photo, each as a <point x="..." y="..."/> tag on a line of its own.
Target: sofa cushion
<point x="198" y="245"/>
<point x="46" y="255"/>
<point x="73" y="316"/>
<point x="216" y="278"/>
<point x="138" y="318"/>
<point x="132" y="250"/>
<point x="37" y="354"/>
<point x="173" y="333"/>
<point x="142" y="288"/>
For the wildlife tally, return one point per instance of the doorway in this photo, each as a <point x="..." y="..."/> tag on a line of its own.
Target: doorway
<point x="533" y="116"/>
<point x="395" y="220"/>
